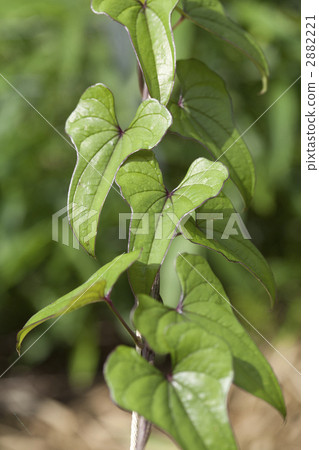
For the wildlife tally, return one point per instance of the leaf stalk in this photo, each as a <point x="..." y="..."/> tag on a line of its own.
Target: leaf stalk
<point x="136" y="339"/>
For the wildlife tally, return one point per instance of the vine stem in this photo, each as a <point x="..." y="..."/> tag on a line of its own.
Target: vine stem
<point x="140" y="427"/>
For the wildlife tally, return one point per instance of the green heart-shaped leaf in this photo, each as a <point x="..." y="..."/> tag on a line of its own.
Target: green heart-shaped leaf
<point x="205" y="303"/>
<point x="235" y="247"/>
<point x="159" y="212"/>
<point x="201" y="110"/>
<point x="148" y="23"/>
<point x="189" y="403"/>
<point x="102" y="147"/>
<point x="210" y="15"/>
<point x="95" y="289"/>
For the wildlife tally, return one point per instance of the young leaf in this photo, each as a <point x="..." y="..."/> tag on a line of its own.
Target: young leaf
<point x="190" y="402"/>
<point x="102" y="147"/>
<point x="160" y="212"/>
<point x="148" y="23"/>
<point x="95" y="289"/>
<point x="235" y="247"/>
<point x="210" y="16"/>
<point x="205" y="303"/>
<point x="201" y="110"/>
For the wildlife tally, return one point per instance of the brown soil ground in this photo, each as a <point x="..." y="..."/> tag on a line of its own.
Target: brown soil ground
<point x="31" y="420"/>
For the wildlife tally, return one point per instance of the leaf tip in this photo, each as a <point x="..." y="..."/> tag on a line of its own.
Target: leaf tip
<point x="264" y="85"/>
<point x="271" y="290"/>
<point x="283" y="411"/>
<point x="90" y="249"/>
<point x="18" y="343"/>
<point x="281" y="407"/>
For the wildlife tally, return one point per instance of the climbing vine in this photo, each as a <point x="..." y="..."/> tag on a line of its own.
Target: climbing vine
<point x="206" y="347"/>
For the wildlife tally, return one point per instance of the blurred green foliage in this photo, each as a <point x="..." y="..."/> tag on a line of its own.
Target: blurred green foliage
<point x="51" y="51"/>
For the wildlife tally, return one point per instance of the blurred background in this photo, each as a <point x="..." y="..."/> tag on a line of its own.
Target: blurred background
<point x="51" y="51"/>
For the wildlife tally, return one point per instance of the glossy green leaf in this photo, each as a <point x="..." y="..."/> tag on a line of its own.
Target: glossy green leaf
<point x="95" y="289"/>
<point x="201" y="110"/>
<point x="235" y="247"/>
<point x="148" y="23"/>
<point x="160" y="212"/>
<point x="102" y="147"/>
<point x="210" y="15"/>
<point x="189" y="403"/>
<point x="205" y="303"/>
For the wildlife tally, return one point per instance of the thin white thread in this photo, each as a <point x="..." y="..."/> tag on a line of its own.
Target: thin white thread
<point x="21" y="423"/>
